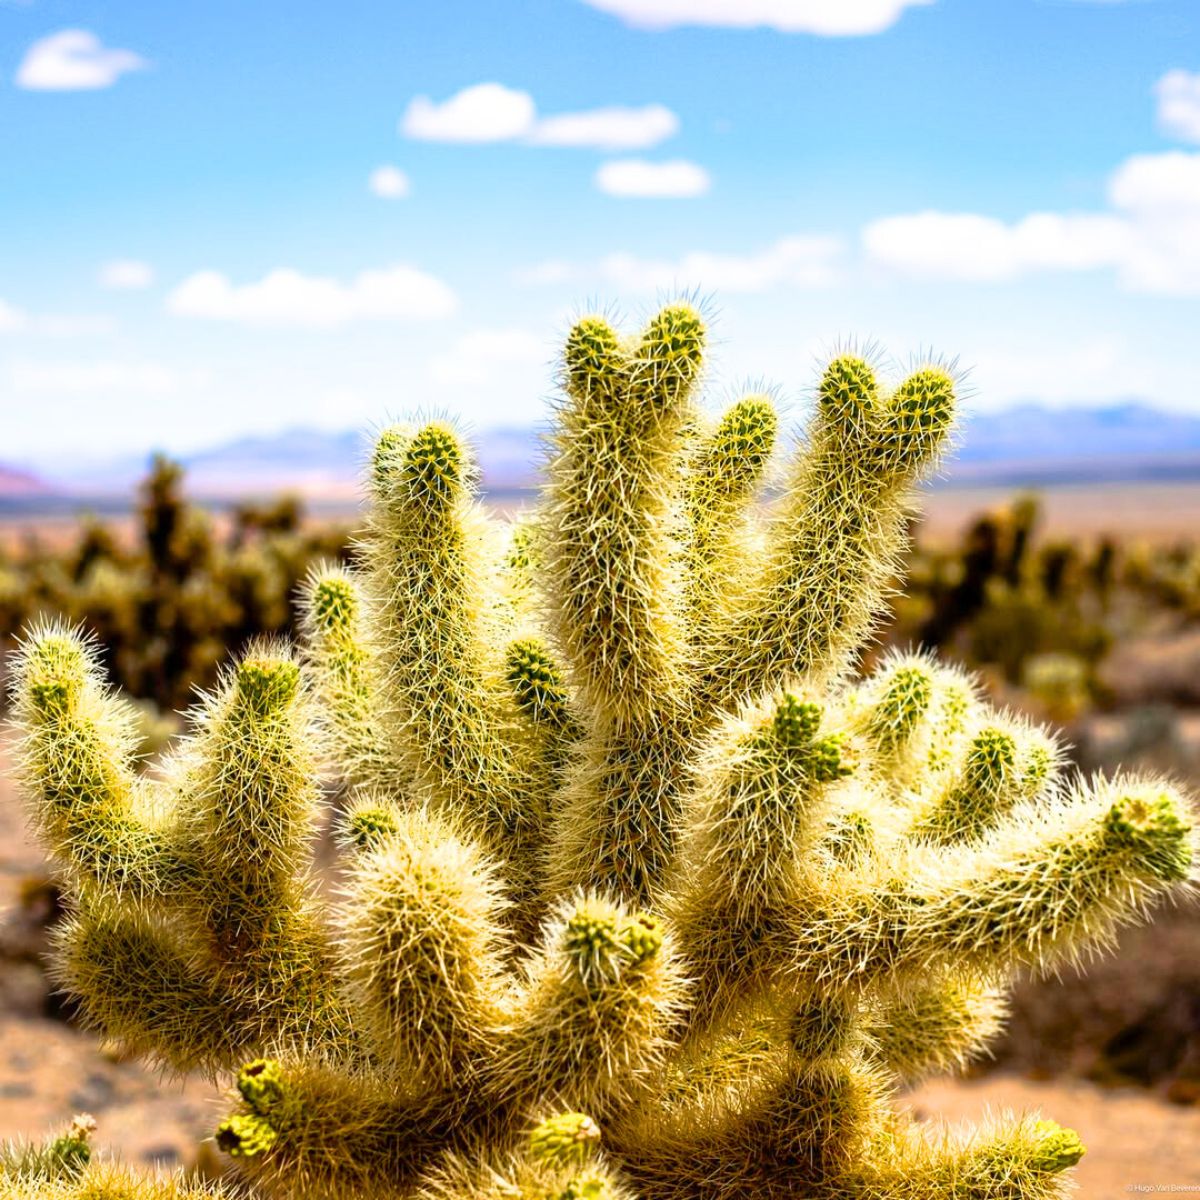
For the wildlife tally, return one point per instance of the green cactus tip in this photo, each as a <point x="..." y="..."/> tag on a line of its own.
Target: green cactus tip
<point x="267" y="684"/>
<point x="245" y="1135"/>
<point x="1058" y="1148"/>
<point x="565" y="1140"/>
<point x="261" y="1085"/>
<point x="1152" y="825"/>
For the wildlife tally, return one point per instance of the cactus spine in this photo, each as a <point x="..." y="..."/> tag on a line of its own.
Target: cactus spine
<point x="643" y="895"/>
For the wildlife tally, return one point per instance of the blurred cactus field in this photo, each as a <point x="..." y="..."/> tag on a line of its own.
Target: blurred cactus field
<point x="166" y="602"/>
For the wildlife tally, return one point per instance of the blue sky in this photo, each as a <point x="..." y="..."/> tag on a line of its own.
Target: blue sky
<point x="229" y="218"/>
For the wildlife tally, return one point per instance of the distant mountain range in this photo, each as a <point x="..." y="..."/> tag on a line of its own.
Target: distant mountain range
<point x="1032" y="445"/>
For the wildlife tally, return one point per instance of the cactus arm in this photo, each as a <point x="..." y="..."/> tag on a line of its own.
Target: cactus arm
<point x="75" y="762"/>
<point x="612" y="529"/>
<point x="1049" y="885"/>
<point x="339" y="657"/>
<point x="421" y="939"/>
<point x="936" y="1026"/>
<point x="760" y="807"/>
<point x="248" y="799"/>
<point x="594" y="1020"/>
<point x="150" y="990"/>
<point x="1004" y="762"/>
<point x="248" y="802"/>
<point x="1007" y="1159"/>
<point x="837" y="534"/>
<point x="429" y="554"/>
<point x="308" y="1130"/>
<point x="724" y="472"/>
<point x="611" y="520"/>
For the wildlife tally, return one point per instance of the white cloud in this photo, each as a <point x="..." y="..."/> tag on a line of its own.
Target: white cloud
<point x="1159" y="195"/>
<point x="612" y="128"/>
<point x="1056" y="373"/>
<point x="485" y="112"/>
<point x="831" y="18"/>
<point x="798" y="261"/>
<point x="1150" y="235"/>
<point x="126" y="274"/>
<point x="805" y="262"/>
<point x="74" y="60"/>
<point x="637" y="177"/>
<point x="150" y="379"/>
<point x="390" y="183"/>
<point x="476" y="357"/>
<point x="12" y="319"/>
<point x="491" y="112"/>
<point x="551" y="271"/>
<point x="1178" y="95"/>
<point x="285" y="297"/>
<point x="967" y="246"/>
<point x="54" y="325"/>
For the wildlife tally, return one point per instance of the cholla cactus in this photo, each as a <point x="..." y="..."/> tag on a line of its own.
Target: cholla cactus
<point x="642" y="895"/>
<point x="62" y="1168"/>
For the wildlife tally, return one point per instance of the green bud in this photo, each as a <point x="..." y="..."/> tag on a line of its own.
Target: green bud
<point x="261" y="1085"/>
<point x="1058" y="1148"/>
<point x="565" y="1140"/>
<point x="267" y="684"/>
<point x="245" y="1136"/>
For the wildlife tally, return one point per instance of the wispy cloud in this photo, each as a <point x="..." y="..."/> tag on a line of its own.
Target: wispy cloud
<point x="1178" y="94"/>
<point x="611" y="128"/>
<point x="799" y="261"/>
<point x="126" y="274"/>
<point x="14" y="320"/>
<point x="831" y="18"/>
<point x="74" y="60"/>
<point x="640" y="178"/>
<point x="288" y="298"/>
<point x="87" y="378"/>
<point x="389" y="183"/>
<point x="491" y="112"/>
<point x="476" y="357"/>
<point x="1150" y="235"/>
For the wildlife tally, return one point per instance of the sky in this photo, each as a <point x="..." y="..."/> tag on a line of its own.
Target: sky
<point x="221" y="219"/>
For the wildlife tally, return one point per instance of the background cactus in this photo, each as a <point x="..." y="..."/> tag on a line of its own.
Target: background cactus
<point x="167" y="608"/>
<point x="642" y="894"/>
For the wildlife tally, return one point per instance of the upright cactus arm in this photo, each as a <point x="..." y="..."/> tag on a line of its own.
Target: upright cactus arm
<point x="541" y="693"/>
<point x="430" y="554"/>
<point x="1004" y="762"/>
<point x="611" y="535"/>
<point x="339" y="656"/>
<point x="726" y="468"/>
<point x="612" y="540"/>
<point x="75" y="763"/>
<point x="838" y="532"/>
<point x="248" y="804"/>
<point x="747" y="856"/>
<point x="597" y="1013"/>
<point x="422" y="941"/>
